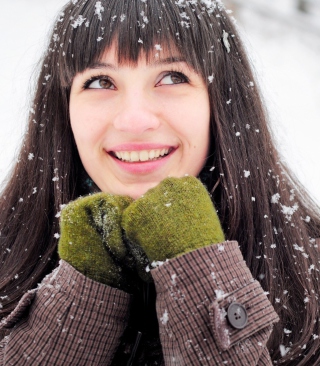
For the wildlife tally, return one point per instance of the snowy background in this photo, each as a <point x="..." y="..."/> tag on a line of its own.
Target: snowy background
<point x="283" y="43"/>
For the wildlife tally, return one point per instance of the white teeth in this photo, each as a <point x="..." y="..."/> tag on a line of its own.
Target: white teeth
<point x="152" y="154"/>
<point x="134" y="156"/>
<point x="144" y="155"/>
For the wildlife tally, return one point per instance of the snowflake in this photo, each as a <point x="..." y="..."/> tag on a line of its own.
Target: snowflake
<point x="226" y="43"/>
<point x="78" y="22"/>
<point x="275" y="198"/>
<point x="165" y="317"/>
<point x="99" y="10"/>
<point x="289" y="211"/>
<point x="283" y="350"/>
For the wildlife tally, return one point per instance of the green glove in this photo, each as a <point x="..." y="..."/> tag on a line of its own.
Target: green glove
<point x="91" y="240"/>
<point x="174" y="218"/>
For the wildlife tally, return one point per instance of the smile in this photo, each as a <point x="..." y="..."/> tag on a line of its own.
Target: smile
<point x="143" y="155"/>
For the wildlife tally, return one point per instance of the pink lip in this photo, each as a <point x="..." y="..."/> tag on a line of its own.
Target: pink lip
<point x="141" y="167"/>
<point x="138" y="147"/>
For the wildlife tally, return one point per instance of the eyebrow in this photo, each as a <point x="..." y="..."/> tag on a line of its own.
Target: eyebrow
<point x="164" y="61"/>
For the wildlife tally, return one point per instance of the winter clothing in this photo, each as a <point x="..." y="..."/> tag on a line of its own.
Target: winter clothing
<point x="72" y="320"/>
<point x="188" y="219"/>
<point x="91" y="240"/>
<point x="210" y="310"/>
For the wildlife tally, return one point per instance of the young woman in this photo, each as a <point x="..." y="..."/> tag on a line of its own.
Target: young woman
<point x="131" y="93"/>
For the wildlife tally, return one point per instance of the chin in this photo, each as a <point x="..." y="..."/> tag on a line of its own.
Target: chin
<point x="137" y="192"/>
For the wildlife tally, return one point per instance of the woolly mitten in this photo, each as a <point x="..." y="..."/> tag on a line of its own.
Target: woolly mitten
<point x="174" y="218"/>
<point x="91" y="240"/>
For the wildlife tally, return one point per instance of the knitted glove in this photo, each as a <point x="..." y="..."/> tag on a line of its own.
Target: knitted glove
<point x="91" y="240"/>
<point x="174" y="218"/>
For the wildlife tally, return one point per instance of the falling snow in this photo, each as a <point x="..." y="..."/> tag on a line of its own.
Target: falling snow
<point x="275" y="198"/>
<point x="289" y="211"/>
<point x="283" y="350"/>
<point x="78" y="22"/>
<point x="210" y="78"/>
<point x="99" y="10"/>
<point x="225" y="40"/>
<point x="165" y="317"/>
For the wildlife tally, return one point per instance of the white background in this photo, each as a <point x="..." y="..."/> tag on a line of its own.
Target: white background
<point x="283" y="45"/>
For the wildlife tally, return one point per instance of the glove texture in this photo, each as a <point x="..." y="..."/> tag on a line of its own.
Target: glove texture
<point x="91" y="239"/>
<point x="174" y="218"/>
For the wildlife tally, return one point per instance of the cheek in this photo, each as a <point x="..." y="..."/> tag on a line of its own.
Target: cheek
<point x="85" y="124"/>
<point x="194" y="123"/>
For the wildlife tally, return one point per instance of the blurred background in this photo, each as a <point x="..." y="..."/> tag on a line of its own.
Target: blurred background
<point x="281" y="36"/>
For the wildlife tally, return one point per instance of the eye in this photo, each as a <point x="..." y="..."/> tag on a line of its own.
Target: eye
<point x="99" y="82"/>
<point x="172" y="78"/>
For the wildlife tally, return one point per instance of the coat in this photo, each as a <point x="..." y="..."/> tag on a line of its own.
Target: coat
<point x="210" y="311"/>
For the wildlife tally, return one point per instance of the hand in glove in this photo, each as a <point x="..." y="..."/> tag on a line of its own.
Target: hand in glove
<point x="91" y="240"/>
<point x="174" y="218"/>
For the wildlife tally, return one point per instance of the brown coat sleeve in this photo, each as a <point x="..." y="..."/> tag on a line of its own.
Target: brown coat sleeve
<point x="68" y="320"/>
<point x="194" y="292"/>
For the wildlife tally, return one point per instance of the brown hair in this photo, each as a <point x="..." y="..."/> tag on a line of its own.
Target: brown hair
<point x="259" y="201"/>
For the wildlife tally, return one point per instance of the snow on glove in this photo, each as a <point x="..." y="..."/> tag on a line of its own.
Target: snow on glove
<point x="174" y="218"/>
<point x="91" y="240"/>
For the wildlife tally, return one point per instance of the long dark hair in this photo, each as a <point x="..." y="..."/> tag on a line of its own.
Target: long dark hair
<point x="260" y="202"/>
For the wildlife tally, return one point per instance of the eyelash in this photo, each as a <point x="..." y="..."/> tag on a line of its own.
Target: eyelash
<point x="177" y="73"/>
<point x="87" y="83"/>
<point x="94" y="78"/>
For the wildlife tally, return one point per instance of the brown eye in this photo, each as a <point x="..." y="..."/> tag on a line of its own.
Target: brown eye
<point x="177" y="79"/>
<point x="105" y="83"/>
<point x="173" y="78"/>
<point x="99" y="83"/>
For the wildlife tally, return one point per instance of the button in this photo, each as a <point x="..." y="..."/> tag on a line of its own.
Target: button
<point x="237" y="315"/>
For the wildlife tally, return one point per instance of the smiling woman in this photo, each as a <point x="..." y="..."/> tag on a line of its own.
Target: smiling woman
<point x="135" y="125"/>
<point x="147" y="155"/>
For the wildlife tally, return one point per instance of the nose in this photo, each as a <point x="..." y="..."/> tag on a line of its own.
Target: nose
<point x="137" y="114"/>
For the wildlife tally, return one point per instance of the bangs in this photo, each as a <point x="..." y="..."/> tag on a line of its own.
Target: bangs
<point x="137" y="27"/>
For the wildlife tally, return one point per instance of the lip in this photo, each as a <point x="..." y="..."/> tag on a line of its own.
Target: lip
<point x="139" y="147"/>
<point x="141" y="167"/>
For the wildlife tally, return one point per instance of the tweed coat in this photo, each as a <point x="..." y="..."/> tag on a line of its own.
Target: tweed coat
<point x="72" y="320"/>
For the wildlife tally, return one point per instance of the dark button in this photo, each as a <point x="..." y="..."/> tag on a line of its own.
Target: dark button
<point x="237" y="315"/>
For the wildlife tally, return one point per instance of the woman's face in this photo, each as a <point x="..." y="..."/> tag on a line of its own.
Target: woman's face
<point x="136" y="125"/>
